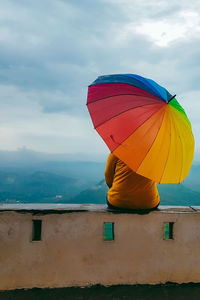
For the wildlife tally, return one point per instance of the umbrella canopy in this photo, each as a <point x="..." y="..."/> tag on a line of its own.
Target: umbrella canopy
<point x="143" y="125"/>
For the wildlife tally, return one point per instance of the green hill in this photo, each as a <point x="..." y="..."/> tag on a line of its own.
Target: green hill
<point x="170" y="194"/>
<point x="96" y="194"/>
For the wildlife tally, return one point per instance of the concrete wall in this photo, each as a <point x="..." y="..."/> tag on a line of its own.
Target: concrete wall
<point x="73" y="252"/>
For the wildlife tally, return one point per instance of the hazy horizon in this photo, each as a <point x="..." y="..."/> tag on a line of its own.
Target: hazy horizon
<point x="24" y="154"/>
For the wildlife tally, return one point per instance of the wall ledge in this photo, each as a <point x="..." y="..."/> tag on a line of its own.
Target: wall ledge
<point x="69" y="208"/>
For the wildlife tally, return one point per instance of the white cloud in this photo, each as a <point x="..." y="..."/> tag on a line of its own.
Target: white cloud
<point x="184" y="25"/>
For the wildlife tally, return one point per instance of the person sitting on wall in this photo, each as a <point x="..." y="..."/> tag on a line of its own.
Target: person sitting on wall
<point x="127" y="189"/>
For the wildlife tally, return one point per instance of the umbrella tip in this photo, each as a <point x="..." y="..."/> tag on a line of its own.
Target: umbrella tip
<point x="171" y="98"/>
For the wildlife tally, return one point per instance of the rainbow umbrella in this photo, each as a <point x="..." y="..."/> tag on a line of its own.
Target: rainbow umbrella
<point x="143" y="125"/>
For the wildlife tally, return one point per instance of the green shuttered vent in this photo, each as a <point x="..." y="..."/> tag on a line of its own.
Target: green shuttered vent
<point x="108" y="231"/>
<point x="168" y="230"/>
<point x="37" y="230"/>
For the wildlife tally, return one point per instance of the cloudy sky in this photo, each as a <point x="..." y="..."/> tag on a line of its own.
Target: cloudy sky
<point x="51" y="50"/>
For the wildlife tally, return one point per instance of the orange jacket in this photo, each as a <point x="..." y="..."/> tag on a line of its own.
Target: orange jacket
<point x="128" y="189"/>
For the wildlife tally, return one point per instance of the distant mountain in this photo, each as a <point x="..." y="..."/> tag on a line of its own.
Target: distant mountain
<point x="36" y="187"/>
<point x="42" y="178"/>
<point x="47" y="181"/>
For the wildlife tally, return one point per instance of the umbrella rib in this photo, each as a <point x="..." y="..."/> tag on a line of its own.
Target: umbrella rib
<point x="168" y="149"/>
<point x="152" y="142"/>
<point x="95" y="127"/>
<point x="125" y="95"/>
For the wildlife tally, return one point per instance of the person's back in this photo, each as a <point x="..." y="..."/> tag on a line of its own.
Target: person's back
<point x="127" y="189"/>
